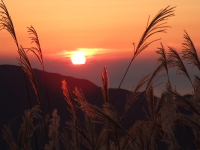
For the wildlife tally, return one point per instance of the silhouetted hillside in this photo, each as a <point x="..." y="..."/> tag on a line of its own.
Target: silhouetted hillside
<point x="14" y="97"/>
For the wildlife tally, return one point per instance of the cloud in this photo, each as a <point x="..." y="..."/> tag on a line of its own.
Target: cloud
<point x="92" y="54"/>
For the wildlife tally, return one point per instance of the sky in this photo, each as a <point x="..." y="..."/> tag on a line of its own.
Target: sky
<point x="105" y="31"/>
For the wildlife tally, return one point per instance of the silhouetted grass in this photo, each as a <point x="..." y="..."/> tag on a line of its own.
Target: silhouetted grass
<point x="103" y="128"/>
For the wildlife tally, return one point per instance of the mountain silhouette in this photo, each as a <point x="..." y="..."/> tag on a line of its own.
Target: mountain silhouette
<point x="14" y="98"/>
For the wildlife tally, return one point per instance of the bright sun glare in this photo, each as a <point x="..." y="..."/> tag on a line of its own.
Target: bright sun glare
<point x="78" y="58"/>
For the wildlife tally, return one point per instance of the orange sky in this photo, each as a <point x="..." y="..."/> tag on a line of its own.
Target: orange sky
<point x="105" y="29"/>
<point x="110" y="25"/>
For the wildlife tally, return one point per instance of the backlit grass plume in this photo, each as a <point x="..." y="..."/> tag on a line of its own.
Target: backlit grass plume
<point x="38" y="53"/>
<point x="26" y="66"/>
<point x="163" y="58"/>
<point x="53" y="132"/>
<point x="25" y="133"/>
<point x="126" y="141"/>
<point x="64" y="137"/>
<point x="189" y="51"/>
<point x="134" y="95"/>
<point x="157" y="25"/>
<point x="107" y="115"/>
<point x="88" y="135"/>
<point x="6" y="22"/>
<point x="185" y="102"/>
<point x="70" y="100"/>
<point x="151" y="103"/>
<point x="36" y="50"/>
<point x="175" y="60"/>
<point x="162" y="64"/>
<point x="75" y="117"/>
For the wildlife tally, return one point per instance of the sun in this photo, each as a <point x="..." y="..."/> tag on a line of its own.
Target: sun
<point x="78" y="58"/>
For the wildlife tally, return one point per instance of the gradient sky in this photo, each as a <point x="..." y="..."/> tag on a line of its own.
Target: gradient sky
<point x="104" y="30"/>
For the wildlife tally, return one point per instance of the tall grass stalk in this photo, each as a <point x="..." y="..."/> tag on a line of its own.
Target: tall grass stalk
<point x="107" y="115"/>
<point x="7" y="24"/>
<point x="189" y="51"/>
<point x="174" y="60"/>
<point x="38" y="52"/>
<point x="157" y="25"/>
<point x="26" y="66"/>
<point x="159" y="125"/>
<point x="163" y="59"/>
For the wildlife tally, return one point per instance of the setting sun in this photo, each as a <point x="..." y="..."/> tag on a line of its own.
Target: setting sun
<point x="78" y="58"/>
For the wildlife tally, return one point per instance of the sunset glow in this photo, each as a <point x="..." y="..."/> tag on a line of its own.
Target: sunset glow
<point x="102" y="31"/>
<point x="78" y="58"/>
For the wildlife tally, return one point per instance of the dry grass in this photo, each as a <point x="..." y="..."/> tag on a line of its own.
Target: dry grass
<point x="163" y="114"/>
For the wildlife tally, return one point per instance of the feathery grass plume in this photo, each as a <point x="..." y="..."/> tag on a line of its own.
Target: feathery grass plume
<point x="53" y="132"/>
<point x="70" y="100"/>
<point x="26" y="131"/>
<point x="8" y="136"/>
<point x="65" y="140"/>
<point x="104" y="116"/>
<point x="168" y="119"/>
<point x="42" y="129"/>
<point x="163" y="59"/>
<point x="28" y="128"/>
<point x="155" y="73"/>
<point x="79" y="94"/>
<point x="142" y="138"/>
<point x="38" y="52"/>
<point x="152" y="110"/>
<point x="105" y="85"/>
<point x="26" y="66"/>
<point x="75" y="120"/>
<point x="90" y="132"/>
<point x="112" y="112"/>
<point x="175" y="60"/>
<point x="133" y="96"/>
<point x="126" y="141"/>
<point x="85" y="140"/>
<point x="88" y="137"/>
<point x="159" y="104"/>
<point x="189" y="51"/>
<point x="6" y="22"/>
<point x="157" y="25"/>
<point x="108" y="109"/>
<point x="73" y="126"/>
<point x="91" y="129"/>
<point x="186" y="103"/>
<point x="98" y="140"/>
<point x="103" y="139"/>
